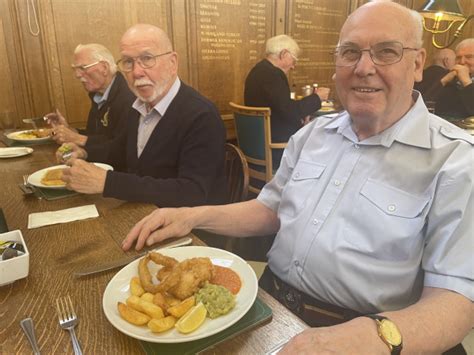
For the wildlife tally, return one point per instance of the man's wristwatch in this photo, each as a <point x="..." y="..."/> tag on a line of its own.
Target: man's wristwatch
<point x="388" y="332"/>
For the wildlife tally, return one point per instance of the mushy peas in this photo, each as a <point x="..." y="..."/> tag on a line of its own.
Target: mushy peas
<point x="217" y="299"/>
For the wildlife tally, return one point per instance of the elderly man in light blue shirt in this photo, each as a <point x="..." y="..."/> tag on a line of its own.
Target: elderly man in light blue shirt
<point x="372" y="208"/>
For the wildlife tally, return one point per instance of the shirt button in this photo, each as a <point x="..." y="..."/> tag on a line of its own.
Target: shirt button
<point x="337" y="182"/>
<point x="391" y="208"/>
<point x="315" y="221"/>
<point x="297" y="263"/>
<point x="356" y="146"/>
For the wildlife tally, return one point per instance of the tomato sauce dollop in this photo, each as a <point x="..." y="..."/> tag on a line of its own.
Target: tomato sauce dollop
<point x="226" y="277"/>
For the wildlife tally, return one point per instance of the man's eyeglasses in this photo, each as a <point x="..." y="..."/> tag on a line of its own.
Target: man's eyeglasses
<point x="384" y="53"/>
<point x="83" y="68"/>
<point x="146" y="61"/>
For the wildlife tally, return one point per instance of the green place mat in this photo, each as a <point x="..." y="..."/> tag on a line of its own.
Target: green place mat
<point x="53" y="194"/>
<point x="257" y="314"/>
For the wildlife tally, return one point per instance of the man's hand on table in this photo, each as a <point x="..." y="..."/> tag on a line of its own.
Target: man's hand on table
<point x="84" y="177"/>
<point x="358" y="336"/>
<point x="161" y="224"/>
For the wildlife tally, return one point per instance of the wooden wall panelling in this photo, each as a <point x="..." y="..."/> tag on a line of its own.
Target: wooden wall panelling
<point x="7" y="98"/>
<point x="36" y="96"/>
<point x="180" y="28"/>
<point x="227" y="39"/>
<point x="315" y="25"/>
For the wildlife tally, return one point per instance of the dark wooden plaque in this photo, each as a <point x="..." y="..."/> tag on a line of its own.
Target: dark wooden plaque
<point x="228" y="38"/>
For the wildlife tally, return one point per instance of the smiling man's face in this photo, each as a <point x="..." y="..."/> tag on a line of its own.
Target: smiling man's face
<point x="375" y="93"/>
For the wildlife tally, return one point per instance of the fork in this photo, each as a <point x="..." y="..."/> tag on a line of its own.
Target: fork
<point x="68" y="320"/>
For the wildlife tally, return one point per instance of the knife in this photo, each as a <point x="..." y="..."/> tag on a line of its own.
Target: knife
<point x="124" y="261"/>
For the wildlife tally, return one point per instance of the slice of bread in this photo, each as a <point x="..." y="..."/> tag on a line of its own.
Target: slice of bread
<point x="53" y="178"/>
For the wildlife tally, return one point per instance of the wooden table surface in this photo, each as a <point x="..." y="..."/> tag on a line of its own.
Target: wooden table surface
<point x="57" y="251"/>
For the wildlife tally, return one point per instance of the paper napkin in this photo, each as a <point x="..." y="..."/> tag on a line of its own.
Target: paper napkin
<point x="40" y="219"/>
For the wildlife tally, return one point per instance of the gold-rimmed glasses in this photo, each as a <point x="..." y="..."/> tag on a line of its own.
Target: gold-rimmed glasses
<point x="146" y="61"/>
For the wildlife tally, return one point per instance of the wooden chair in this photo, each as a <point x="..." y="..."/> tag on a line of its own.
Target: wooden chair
<point x="253" y="128"/>
<point x="237" y="173"/>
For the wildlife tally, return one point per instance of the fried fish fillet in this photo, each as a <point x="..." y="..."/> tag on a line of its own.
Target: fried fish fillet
<point x="53" y="178"/>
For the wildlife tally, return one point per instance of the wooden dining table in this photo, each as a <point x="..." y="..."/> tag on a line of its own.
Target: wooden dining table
<point x="56" y="251"/>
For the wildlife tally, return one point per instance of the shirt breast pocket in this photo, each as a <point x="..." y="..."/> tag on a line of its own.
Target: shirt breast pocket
<point x="385" y="221"/>
<point x="301" y="185"/>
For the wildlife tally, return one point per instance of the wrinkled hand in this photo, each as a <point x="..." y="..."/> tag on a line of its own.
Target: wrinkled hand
<point x="84" y="177"/>
<point x="56" y="119"/>
<point x="461" y="72"/>
<point x="77" y="153"/>
<point x="161" y="224"/>
<point x="322" y="92"/>
<point x="358" y="336"/>
<point x="62" y="134"/>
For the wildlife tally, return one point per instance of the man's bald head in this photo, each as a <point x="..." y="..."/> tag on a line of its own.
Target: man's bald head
<point x="408" y="22"/>
<point x="148" y="32"/>
<point x="445" y="58"/>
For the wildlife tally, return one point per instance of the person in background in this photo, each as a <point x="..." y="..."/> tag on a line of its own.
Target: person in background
<point x="456" y="96"/>
<point x="171" y="152"/>
<point x="373" y="253"/>
<point x="266" y="85"/>
<point x="94" y="66"/>
<point x="443" y="61"/>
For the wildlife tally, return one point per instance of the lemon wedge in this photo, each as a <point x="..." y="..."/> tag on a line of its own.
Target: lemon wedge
<point x="192" y="319"/>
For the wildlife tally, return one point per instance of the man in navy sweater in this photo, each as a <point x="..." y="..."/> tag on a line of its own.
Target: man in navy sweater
<point x="172" y="150"/>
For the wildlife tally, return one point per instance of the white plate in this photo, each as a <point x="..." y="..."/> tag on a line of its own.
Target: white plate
<point x="35" y="178"/>
<point x="118" y="290"/>
<point x="14" y="136"/>
<point x="13" y="152"/>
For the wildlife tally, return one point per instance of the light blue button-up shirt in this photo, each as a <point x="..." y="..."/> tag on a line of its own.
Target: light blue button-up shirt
<point x="367" y="224"/>
<point x="99" y="98"/>
<point x="149" y="120"/>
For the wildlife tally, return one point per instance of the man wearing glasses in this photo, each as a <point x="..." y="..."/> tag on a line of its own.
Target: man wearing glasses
<point x="171" y="152"/>
<point x="372" y="209"/>
<point x="456" y="98"/>
<point x="95" y="68"/>
<point x="266" y="85"/>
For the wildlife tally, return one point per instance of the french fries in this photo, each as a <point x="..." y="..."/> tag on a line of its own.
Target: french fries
<point x="161" y="325"/>
<point x="140" y="305"/>
<point x="136" y="288"/>
<point x="131" y="315"/>
<point x="147" y="296"/>
<point x="180" y="309"/>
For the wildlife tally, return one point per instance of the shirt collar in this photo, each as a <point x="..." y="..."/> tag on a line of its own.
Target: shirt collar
<point x="163" y="104"/>
<point x="99" y="98"/>
<point x="411" y="129"/>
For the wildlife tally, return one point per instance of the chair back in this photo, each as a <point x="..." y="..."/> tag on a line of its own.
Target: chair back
<point x="237" y="173"/>
<point x="253" y="129"/>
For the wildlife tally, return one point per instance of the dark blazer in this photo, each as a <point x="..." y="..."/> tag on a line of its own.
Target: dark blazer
<point x="181" y="165"/>
<point x="107" y="122"/>
<point x="430" y="87"/>
<point x="455" y="101"/>
<point x="267" y="86"/>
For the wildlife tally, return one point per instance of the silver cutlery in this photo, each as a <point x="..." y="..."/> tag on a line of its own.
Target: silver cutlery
<point x="33" y="121"/>
<point x="68" y="320"/>
<point x="29" y="329"/>
<point x="124" y="261"/>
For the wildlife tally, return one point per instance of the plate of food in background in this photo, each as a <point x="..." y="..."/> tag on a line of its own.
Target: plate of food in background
<point x="31" y="135"/>
<point x="13" y="152"/>
<point x="169" y="296"/>
<point x="50" y="178"/>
